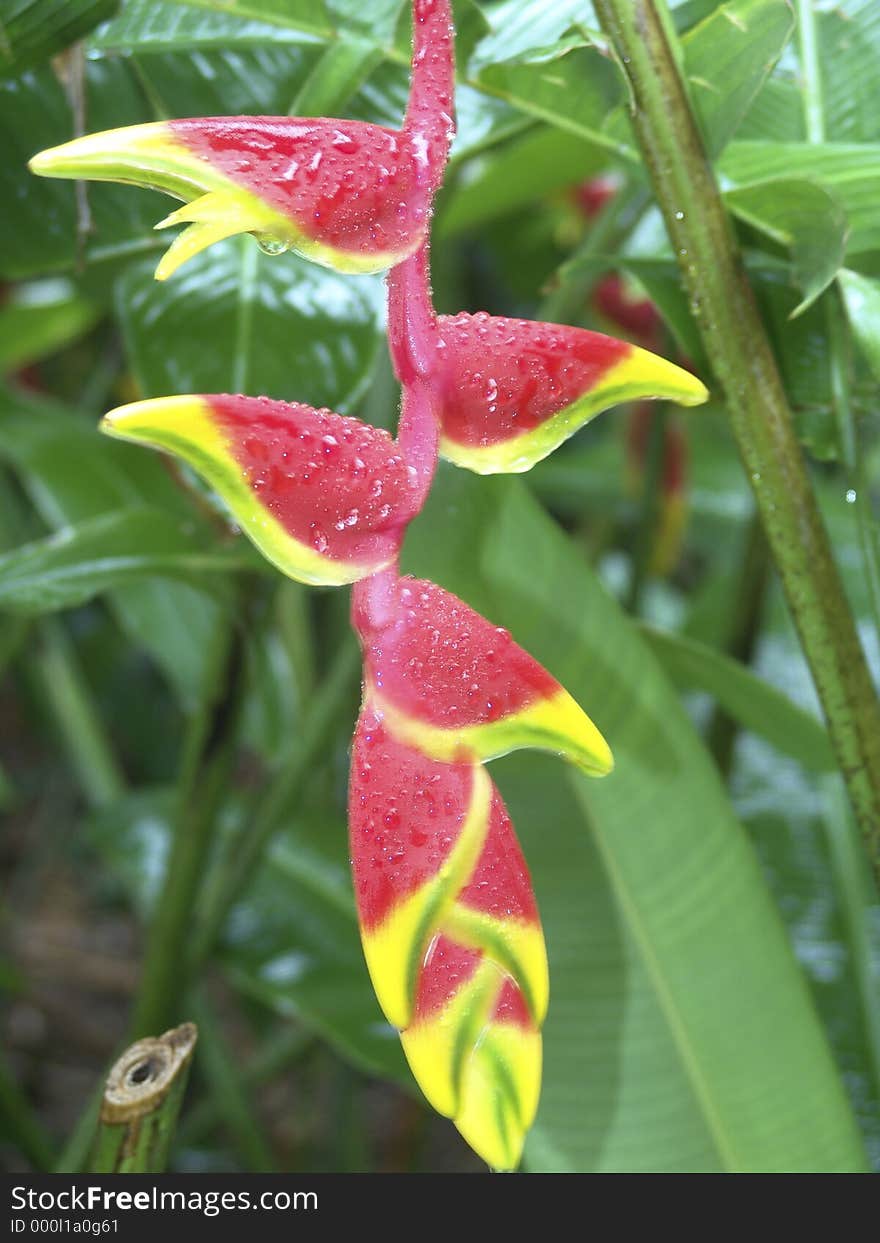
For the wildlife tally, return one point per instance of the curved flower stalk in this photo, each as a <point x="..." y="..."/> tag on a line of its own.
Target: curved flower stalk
<point x="449" y="922"/>
<point x="352" y="196"/>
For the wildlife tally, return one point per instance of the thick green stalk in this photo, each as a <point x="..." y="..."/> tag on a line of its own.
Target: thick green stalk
<point x="725" y="312"/>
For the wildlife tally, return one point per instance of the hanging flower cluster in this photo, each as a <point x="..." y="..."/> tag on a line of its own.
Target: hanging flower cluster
<point x="450" y="928"/>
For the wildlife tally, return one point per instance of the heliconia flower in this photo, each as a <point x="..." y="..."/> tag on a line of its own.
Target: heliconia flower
<point x="510" y="391"/>
<point x="451" y="934"/>
<point x="347" y="194"/>
<point x="622" y="306"/>
<point x="450" y="683"/>
<point x="326" y="498"/>
<point x="666" y="545"/>
<point x="593" y="194"/>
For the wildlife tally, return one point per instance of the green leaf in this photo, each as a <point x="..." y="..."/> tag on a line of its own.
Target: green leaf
<point x="271" y="326"/>
<point x="777" y="113"/>
<point x="681" y="1034"/>
<point x="77" y="563"/>
<point x="39" y="231"/>
<point x="524" y="171"/>
<point x="73" y="473"/>
<point x="519" y="28"/>
<point x="848" y="171"/>
<point x="803" y="216"/>
<point x="569" y="84"/>
<point x="31" y="31"/>
<point x="154" y="26"/>
<point x="309" y="17"/>
<point x="727" y="59"/>
<point x="306" y="959"/>
<point x="39" y="319"/>
<point x="861" y="297"/>
<point x="751" y="702"/>
<point x="848" y="35"/>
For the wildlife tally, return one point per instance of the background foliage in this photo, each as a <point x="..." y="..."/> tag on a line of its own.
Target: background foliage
<point x="713" y="934"/>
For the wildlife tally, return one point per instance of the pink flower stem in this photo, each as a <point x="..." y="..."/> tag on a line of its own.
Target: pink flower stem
<point x="430" y="121"/>
<point x="412" y="321"/>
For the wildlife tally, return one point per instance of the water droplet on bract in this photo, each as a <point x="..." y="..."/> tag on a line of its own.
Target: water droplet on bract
<point x="850" y="496"/>
<point x="272" y="246"/>
<point x="679" y="215"/>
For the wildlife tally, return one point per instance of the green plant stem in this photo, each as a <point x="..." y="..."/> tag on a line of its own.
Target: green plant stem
<point x="141" y="1101"/>
<point x="209" y="750"/>
<point x="245" y="854"/>
<point x="812" y="94"/>
<point x="21" y="1124"/>
<point x="567" y="294"/>
<point x="74" y="1156"/>
<point x="228" y="1089"/>
<point x="854" y="896"/>
<point x="650" y="502"/>
<point x="79" y="725"/>
<point x="747" y="597"/>
<point x="811" y="74"/>
<point x="280" y="1052"/>
<point x="724" y="309"/>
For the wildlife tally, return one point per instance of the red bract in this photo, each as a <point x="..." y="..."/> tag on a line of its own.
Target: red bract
<point x="511" y="390"/>
<point x="326" y="498"/>
<point x="347" y="194"/>
<point x="451" y="933"/>
<point x="451" y="683"/>
<point x="507" y="392"/>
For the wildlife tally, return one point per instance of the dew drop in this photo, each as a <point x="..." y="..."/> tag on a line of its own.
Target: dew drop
<point x="272" y="246"/>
